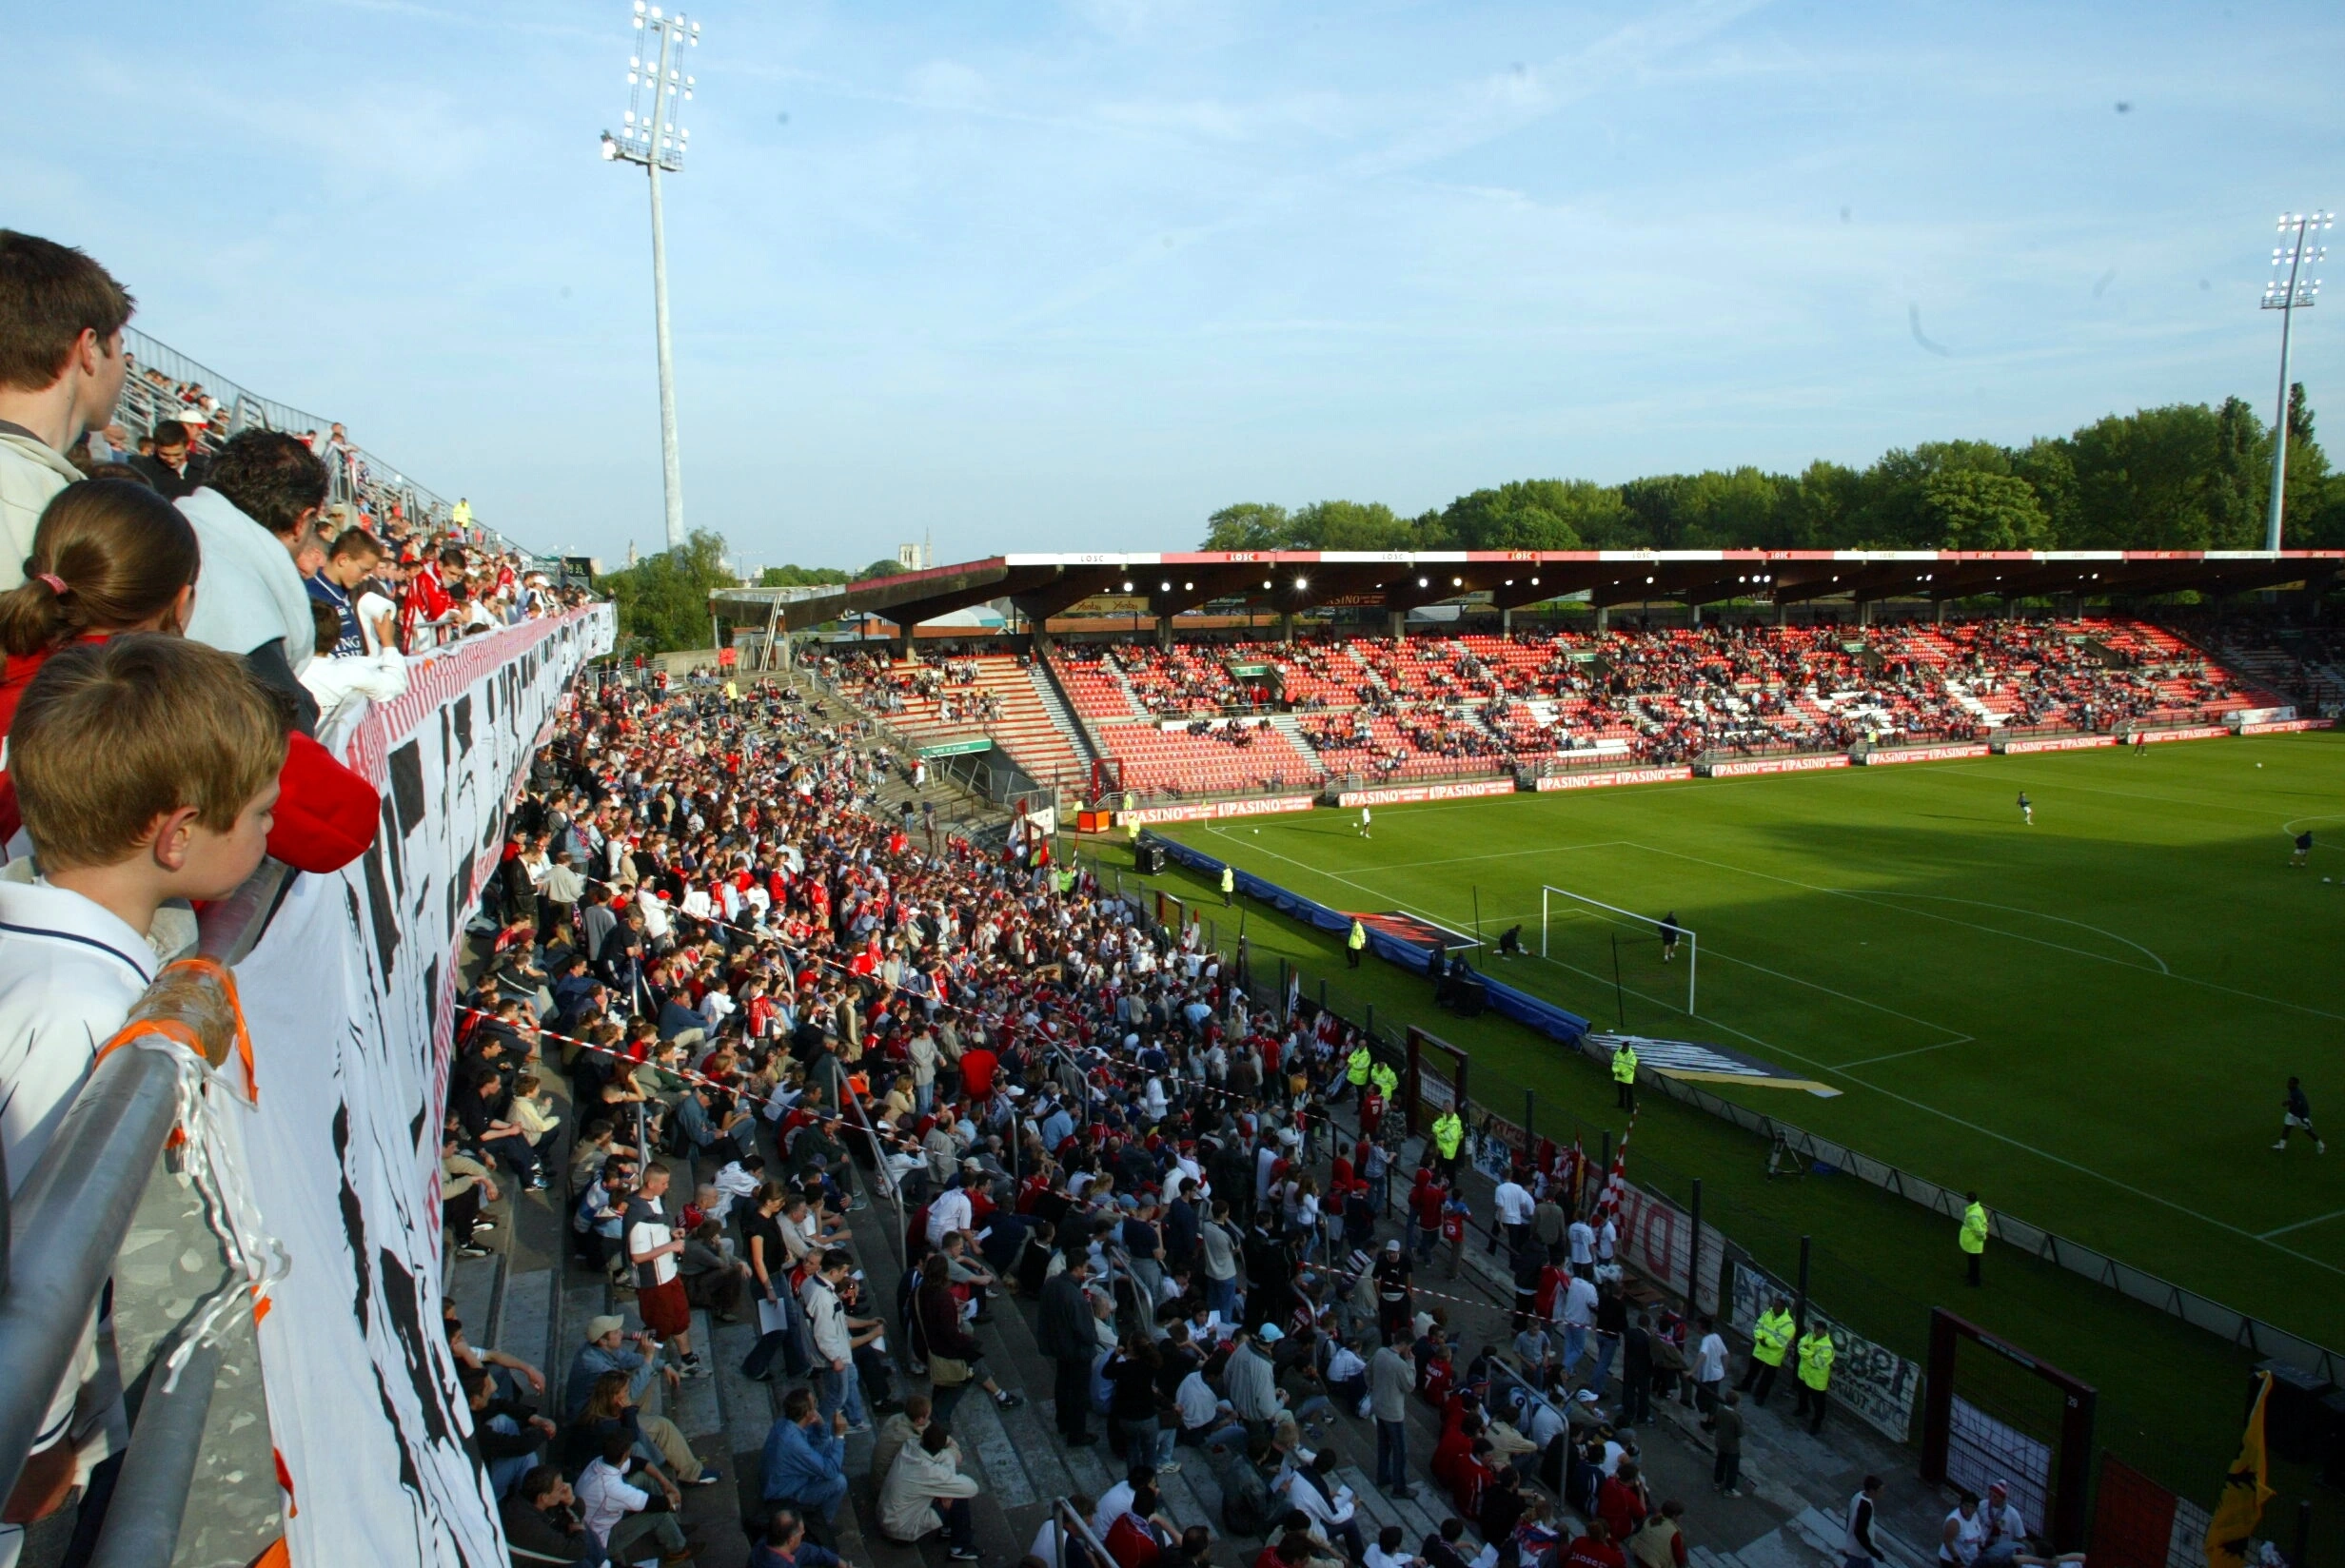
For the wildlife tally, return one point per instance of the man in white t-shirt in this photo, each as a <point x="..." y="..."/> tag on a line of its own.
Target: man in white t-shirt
<point x="1709" y="1371"/>
<point x="614" y="1509"/>
<point x="1514" y="1204"/>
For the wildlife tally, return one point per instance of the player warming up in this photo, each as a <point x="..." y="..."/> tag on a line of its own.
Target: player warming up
<point x="2028" y="809"/>
<point x="1669" y="932"/>
<point x="1364" y="822"/>
<point x="2303" y="855"/>
<point x="2296" y="1116"/>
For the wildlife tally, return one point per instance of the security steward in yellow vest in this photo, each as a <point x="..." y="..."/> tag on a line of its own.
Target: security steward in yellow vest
<point x="1386" y="1080"/>
<point x="1973" y="1239"/>
<point x="1449" y="1137"/>
<point x="1354" y="943"/>
<point x="1229" y="885"/>
<point x="1770" y="1341"/>
<point x="1356" y="1068"/>
<point x="1815" y="1375"/>
<point x="1624" y="1077"/>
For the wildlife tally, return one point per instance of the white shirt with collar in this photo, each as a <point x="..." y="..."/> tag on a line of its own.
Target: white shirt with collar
<point x="604" y="1498"/>
<point x="69" y="970"/>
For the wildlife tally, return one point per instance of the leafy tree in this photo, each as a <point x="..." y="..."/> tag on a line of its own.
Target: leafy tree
<point x="1535" y="515"/>
<point x="1355" y="525"/>
<point x="1249" y="526"/>
<point x="1971" y="509"/>
<point x="886" y="566"/>
<point x="800" y="577"/>
<point x="663" y="599"/>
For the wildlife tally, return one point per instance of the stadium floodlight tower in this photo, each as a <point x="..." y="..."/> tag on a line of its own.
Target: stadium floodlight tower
<point x="2288" y="292"/>
<point x="653" y="134"/>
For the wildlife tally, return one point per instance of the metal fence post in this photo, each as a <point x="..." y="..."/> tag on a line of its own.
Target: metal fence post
<point x="1693" y="1266"/>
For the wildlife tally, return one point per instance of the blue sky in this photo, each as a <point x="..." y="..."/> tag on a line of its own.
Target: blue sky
<point x="1066" y="276"/>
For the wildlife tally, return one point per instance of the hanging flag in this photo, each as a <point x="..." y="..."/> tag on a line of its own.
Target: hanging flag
<point x="2245" y="1491"/>
<point x="1294" y="991"/>
<point x="1616" y="1184"/>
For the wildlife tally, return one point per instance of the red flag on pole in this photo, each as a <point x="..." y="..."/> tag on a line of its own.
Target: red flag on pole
<point x="1616" y="1184"/>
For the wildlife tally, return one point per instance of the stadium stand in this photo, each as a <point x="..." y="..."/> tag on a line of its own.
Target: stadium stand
<point x="1476" y="703"/>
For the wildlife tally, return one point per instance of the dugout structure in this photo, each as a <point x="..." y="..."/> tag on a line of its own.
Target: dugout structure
<point x="1560" y="909"/>
<point x="1992" y="1412"/>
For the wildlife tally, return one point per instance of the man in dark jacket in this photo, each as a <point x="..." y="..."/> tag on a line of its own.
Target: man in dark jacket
<point x="1065" y="1334"/>
<point x="541" y="1519"/>
<point x="1637" y="1372"/>
<point x="1181" y="1225"/>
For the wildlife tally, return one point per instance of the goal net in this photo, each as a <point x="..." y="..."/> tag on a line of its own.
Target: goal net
<point x="1639" y="953"/>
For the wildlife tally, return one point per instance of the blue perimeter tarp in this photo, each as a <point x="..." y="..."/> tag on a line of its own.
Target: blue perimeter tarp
<point x="1548" y="1019"/>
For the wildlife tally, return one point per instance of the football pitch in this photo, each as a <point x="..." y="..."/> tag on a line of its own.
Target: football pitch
<point x="2090" y="1019"/>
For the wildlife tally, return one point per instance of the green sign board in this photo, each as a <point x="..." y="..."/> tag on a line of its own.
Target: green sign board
<point x="958" y="748"/>
<point x="1249" y="672"/>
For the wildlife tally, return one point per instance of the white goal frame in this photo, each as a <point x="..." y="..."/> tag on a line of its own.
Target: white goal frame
<point x="1646" y="923"/>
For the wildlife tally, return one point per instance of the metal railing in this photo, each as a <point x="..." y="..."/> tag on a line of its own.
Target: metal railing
<point x="358" y="474"/>
<point x="71" y="1216"/>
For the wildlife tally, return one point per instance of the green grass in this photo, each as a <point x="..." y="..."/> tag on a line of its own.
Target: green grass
<point x="2090" y="1020"/>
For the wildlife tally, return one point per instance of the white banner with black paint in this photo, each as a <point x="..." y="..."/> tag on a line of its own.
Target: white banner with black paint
<point x="1867" y="1378"/>
<point x="349" y="998"/>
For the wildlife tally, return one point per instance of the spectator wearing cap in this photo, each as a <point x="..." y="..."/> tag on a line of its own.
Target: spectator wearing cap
<point x="607" y="1350"/>
<point x="61" y="373"/>
<point x="1253" y="1381"/>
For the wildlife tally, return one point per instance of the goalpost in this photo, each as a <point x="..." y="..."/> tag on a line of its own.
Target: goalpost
<point x="1648" y="927"/>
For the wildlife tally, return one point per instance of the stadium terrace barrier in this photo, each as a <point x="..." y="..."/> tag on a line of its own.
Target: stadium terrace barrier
<point x="1801" y="763"/>
<point x="1215" y="810"/>
<point x="1876" y="756"/>
<point x="2247" y="1333"/>
<point x="1554" y="1022"/>
<point x="342" y="1009"/>
<point x="1606" y="777"/>
<point x="1404" y="794"/>
<point x="2015" y="745"/>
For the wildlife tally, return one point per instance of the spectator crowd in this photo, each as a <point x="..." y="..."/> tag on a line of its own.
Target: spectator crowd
<point x="1234" y="1257"/>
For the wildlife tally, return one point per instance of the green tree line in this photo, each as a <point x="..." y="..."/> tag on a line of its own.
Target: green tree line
<point x="2185" y="476"/>
<point x="663" y="599"/>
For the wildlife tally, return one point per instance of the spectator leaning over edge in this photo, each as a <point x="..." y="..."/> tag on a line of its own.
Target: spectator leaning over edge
<point x="147" y="768"/>
<point x="61" y="369"/>
<point x="254" y="521"/>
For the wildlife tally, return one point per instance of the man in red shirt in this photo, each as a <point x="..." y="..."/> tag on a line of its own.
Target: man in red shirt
<point x="978" y="1065"/>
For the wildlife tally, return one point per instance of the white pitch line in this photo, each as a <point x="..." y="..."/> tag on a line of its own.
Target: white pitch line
<point x="2300" y="1224"/>
<point x="2036" y="1150"/>
<point x="2014" y="909"/>
<point x="1868" y="1061"/>
<point x="2036" y="941"/>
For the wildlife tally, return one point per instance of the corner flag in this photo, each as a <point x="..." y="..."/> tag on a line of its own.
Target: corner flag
<point x="2245" y="1492"/>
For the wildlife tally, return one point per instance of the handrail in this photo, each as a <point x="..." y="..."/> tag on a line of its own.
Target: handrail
<point x="1063" y="1514"/>
<point x="77" y="1203"/>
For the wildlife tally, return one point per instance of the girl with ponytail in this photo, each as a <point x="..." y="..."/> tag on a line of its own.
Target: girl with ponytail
<point x="113" y="556"/>
<point x="109" y="556"/>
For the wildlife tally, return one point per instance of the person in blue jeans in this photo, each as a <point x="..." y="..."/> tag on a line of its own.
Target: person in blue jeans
<point x="806" y="1463"/>
<point x="1391" y="1377"/>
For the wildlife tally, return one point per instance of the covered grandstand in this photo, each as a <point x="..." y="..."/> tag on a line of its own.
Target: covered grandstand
<point x="1181" y="677"/>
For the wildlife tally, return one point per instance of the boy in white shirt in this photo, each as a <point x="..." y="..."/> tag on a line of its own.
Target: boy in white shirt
<point x="146" y="768"/>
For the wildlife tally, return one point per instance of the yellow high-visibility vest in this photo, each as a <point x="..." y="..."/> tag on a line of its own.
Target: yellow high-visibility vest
<point x="1973" y="1237"/>
<point x="1625" y="1064"/>
<point x="1360" y="1064"/>
<point x="1816" y="1360"/>
<point x="1449" y="1132"/>
<point x="1358" y="938"/>
<point x="1384" y="1079"/>
<point x="1770" y="1337"/>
